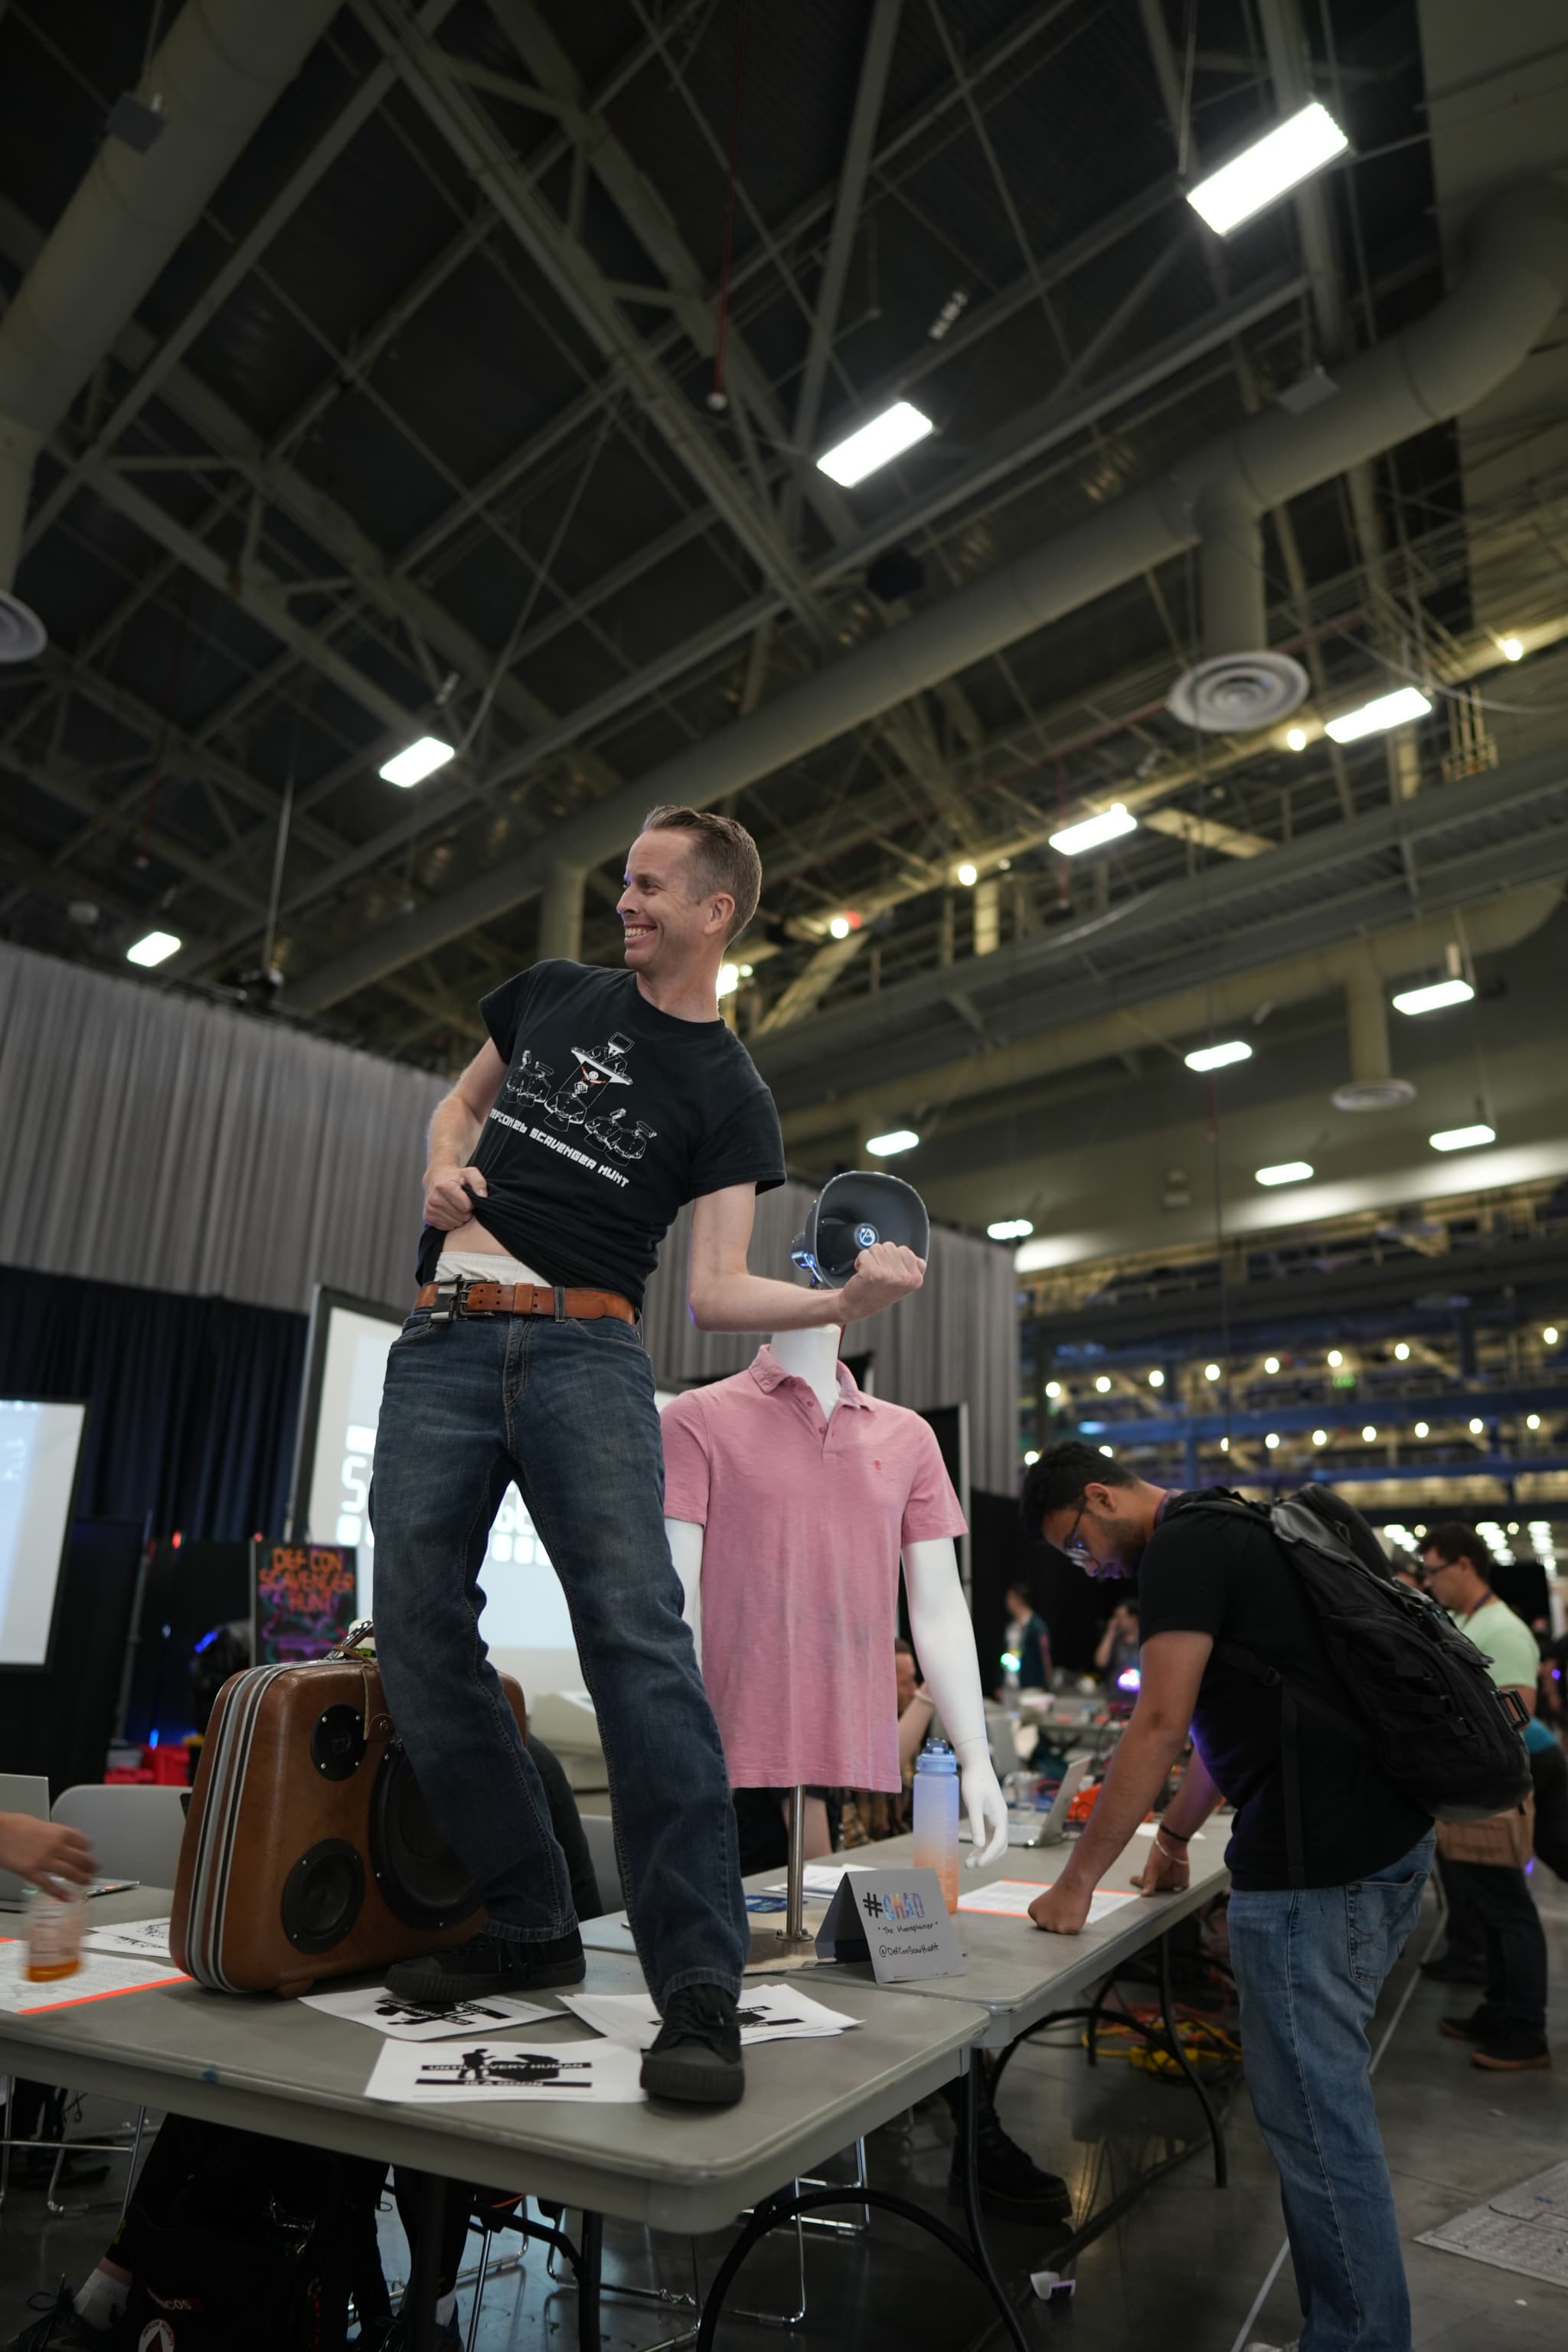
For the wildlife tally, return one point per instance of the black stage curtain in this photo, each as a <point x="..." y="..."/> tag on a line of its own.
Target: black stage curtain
<point x="193" y="1402"/>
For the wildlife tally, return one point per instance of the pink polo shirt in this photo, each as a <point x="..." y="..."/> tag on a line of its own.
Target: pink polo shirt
<point x="803" y="1519"/>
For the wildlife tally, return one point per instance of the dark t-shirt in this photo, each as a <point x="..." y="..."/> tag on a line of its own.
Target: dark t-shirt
<point x="1207" y="1573"/>
<point x="612" y="1115"/>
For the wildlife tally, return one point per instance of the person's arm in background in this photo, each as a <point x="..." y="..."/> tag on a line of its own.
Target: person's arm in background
<point x="44" y="1853"/>
<point x="1105" y="1643"/>
<point x="914" y="1723"/>
<point x="1172" y="1667"/>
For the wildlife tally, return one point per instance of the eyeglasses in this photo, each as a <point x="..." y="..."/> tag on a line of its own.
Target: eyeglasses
<point x="1074" y="1549"/>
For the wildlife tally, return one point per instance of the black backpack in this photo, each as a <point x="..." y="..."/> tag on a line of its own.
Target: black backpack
<point x="1417" y="1693"/>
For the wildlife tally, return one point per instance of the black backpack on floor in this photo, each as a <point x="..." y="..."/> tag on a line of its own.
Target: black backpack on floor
<point x="1418" y="1697"/>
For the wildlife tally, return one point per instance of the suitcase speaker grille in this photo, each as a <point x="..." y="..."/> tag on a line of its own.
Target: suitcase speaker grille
<point x="421" y="1880"/>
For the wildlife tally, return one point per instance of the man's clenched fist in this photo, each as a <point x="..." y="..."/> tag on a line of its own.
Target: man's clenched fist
<point x="883" y="1274"/>
<point x="447" y="1201"/>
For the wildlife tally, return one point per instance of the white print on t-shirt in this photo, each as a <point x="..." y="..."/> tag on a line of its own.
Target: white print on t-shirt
<point x="574" y="1103"/>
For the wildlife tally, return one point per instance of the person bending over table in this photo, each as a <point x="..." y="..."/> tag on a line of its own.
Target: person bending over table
<point x="1309" y="1958"/>
<point x="600" y="1102"/>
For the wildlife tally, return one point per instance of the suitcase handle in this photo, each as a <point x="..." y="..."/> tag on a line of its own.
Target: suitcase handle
<point x="358" y="1642"/>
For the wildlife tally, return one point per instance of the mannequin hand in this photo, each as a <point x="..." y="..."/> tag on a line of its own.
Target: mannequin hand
<point x="883" y="1274"/>
<point x="988" y="1810"/>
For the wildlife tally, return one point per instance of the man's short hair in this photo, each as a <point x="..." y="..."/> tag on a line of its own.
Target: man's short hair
<point x="723" y="856"/>
<point x="1057" y="1481"/>
<point x="1452" y="1541"/>
<point x="1016" y="1584"/>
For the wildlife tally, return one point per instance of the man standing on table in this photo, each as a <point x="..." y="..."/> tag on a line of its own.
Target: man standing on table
<point x="600" y="1102"/>
<point x="1311" y="1947"/>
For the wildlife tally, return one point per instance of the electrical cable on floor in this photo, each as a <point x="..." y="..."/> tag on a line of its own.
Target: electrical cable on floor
<point x="1278" y="2264"/>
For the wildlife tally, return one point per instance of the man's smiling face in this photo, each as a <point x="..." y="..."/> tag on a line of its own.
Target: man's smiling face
<point x="663" y="923"/>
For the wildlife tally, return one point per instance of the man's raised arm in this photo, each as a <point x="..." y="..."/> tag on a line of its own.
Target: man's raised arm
<point x="723" y="1296"/>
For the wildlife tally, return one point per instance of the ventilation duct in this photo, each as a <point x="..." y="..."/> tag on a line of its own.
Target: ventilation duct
<point x="212" y="83"/>
<point x="1239" y="685"/>
<point x="1516" y="278"/>
<point x="1372" y="1085"/>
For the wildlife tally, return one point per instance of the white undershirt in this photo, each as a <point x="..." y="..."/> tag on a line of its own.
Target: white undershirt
<point x="486" y="1266"/>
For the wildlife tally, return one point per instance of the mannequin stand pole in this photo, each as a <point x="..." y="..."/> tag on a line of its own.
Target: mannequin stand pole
<point x="793" y="1946"/>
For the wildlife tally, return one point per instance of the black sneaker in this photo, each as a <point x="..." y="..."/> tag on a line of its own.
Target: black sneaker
<point x="1012" y="2188"/>
<point x="1482" y="2024"/>
<point x="486" y="1964"/>
<point x="696" y="2057"/>
<point x="62" y="2329"/>
<point x="1447" y="1968"/>
<point x="1512" y="2052"/>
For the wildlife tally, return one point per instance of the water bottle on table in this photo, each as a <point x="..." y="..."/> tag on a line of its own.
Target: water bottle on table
<point x="936" y="1816"/>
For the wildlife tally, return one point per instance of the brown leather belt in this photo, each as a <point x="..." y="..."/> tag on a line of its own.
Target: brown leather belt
<point x="466" y="1296"/>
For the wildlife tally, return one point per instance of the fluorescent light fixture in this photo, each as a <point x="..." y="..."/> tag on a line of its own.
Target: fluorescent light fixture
<point x="1476" y="1426"/>
<point x="1103" y="1384"/>
<point x="1271" y="1440"/>
<point x="1271" y="1365"/>
<point x="968" y="875"/>
<point x="1374" y="717"/>
<point x="1402" y="1352"/>
<point x="1010" y="1229"/>
<point x="1156" y="1378"/>
<point x="1433" y="998"/>
<point x="1512" y="650"/>
<point x="1108" y="825"/>
<point x="1273" y="164"/>
<point x="1218" y="1058"/>
<point x="876" y="443"/>
<point x="1422" y="1429"/>
<point x="729" y="978"/>
<point x="156" y="947"/>
<point x="1288" y="1171"/>
<point x="1319" y="1436"/>
<point x="1462" y="1138"/>
<point x="1296" y="737"/>
<point x="1369" y="1435"/>
<point x="838" y="928"/>
<point x="1211" y="1371"/>
<point x="897" y="1139"/>
<point x="419" y="761"/>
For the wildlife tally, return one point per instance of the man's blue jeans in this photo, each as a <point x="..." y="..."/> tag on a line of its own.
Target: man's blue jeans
<point x="567" y="1410"/>
<point x="1310" y="1963"/>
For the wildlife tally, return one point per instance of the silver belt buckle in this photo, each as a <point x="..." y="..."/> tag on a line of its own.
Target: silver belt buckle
<point x="447" y="1308"/>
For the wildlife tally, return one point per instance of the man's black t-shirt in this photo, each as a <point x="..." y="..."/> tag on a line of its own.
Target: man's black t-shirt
<point x="612" y="1115"/>
<point x="1205" y="1572"/>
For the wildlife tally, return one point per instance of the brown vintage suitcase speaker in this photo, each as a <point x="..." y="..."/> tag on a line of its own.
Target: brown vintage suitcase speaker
<point x="309" y="1851"/>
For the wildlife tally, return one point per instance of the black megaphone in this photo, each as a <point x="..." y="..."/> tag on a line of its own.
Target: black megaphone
<point x="851" y="1213"/>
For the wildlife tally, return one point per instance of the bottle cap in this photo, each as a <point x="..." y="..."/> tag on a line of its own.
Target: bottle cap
<point x="936" y="1756"/>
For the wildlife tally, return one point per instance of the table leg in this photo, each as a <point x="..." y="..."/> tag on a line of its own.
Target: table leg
<point x="972" y="2197"/>
<point x="1194" y="2080"/>
<point x="589" y="2271"/>
<point x="423" y="2290"/>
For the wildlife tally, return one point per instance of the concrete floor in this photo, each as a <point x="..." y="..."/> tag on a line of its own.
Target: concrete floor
<point x="1182" y="2270"/>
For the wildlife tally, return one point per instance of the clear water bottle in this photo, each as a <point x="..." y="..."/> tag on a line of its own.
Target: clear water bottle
<point x="936" y="1816"/>
<point x="53" y="1930"/>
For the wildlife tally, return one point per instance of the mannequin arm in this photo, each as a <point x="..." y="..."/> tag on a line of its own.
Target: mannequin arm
<point x="944" y="1643"/>
<point x="685" y="1550"/>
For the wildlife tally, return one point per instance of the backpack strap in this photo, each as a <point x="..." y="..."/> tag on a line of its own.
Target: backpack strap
<point x="1292" y="1698"/>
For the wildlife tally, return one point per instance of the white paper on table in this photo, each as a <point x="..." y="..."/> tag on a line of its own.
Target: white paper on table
<point x="1011" y="1898"/>
<point x="767" y="2013"/>
<point x="135" y="1939"/>
<point x="490" y="2074"/>
<point x="820" y="1879"/>
<point x="404" y="2020"/>
<point x="99" y="1974"/>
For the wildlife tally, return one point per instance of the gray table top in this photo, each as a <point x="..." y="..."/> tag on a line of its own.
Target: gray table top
<point x="1016" y="1973"/>
<point x="274" y="2066"/>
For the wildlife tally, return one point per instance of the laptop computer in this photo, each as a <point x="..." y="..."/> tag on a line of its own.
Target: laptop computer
<point x="23" y="1792"/>
<point x="1031" y="1827"/>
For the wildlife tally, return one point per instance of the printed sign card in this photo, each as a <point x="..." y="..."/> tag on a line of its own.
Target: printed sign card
<point x="895" y="1918"/>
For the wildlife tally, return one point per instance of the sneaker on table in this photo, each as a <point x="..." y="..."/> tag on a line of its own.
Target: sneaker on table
<point x="696" y="2057"/>
<point x="486" y="1965"/>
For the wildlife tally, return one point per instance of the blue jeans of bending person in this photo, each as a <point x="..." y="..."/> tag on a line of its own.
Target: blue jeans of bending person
<point x="1310" y="1963"/>
<point x="567" y="1410"/>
